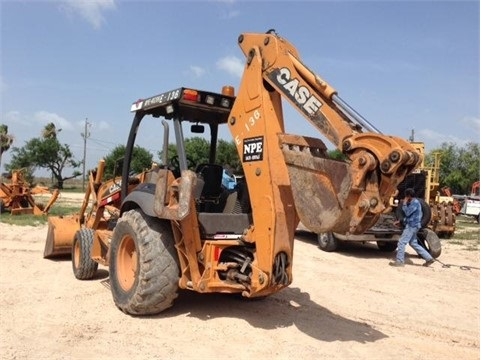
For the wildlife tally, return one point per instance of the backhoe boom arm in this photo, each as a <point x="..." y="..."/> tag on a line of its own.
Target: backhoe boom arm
<point x="329" y="195"/>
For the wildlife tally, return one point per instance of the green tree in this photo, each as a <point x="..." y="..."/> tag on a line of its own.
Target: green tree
<point x="197" y="150"/>
<point x="459" y="166"/>
<point x="45" y="152"/>
<point x="6" y="140"/>
<point x="336" y="155"/>
<point x="227" y="154"/>
<point x="141" y="160"/>
<point x="21" y="159"/>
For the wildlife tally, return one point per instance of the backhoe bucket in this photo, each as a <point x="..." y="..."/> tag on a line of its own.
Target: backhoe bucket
<point x="60" y="235"/>
<point x="320" y="186"/>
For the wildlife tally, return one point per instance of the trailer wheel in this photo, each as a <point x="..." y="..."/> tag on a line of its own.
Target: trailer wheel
<point x="387" y="246"/>
<point x="143" y="267"/>
<point x="430" y="241"/>
<point x="327" y="242"/>
<point x="82" y="264"/>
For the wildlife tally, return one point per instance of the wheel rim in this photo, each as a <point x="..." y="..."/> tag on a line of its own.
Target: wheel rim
<point x="127" y="263"/>
<point x="323" y="239"/>
<point x="76" y="254"/>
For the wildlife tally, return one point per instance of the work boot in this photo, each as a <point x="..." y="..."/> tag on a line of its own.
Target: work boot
<point x="428" y="262"/>
<point x="396" y="263"/>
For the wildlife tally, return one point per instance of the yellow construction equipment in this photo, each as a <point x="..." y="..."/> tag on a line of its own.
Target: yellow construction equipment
<point x="425" y="181"/>
<point x="172" y="227"/>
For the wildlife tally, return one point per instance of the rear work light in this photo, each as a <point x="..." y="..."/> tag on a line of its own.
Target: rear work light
<point x="210" y="100"/>
<point x="190" y="95"/>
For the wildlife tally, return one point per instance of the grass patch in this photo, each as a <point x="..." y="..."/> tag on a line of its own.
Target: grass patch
<point x="32" y="220"/>
<point x="72" y="189"/>
<point x="467" y="233"/>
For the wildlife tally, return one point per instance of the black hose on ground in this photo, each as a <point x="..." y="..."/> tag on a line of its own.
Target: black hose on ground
<point x="461" y="267"/>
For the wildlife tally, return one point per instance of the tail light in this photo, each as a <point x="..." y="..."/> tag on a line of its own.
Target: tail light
<point x="190" y="95"/>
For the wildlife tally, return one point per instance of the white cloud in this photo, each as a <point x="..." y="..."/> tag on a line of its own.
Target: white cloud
<point x="232" y="65"/>
<point x="89" y="10"/>
<point x="45" y="117"/>
<point x="471" y="122"/>
<point x="230" y="14"/>
<point x="103" y="125"/>
<point x="434" y="139"/>
<point x="197" y="71"/>
<point x="14" y="116"/>
<point x="92" y="125"/>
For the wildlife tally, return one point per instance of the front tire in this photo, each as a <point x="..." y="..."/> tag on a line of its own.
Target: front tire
<point x="82" y="264"/>
<point x="327" y="242"/>
<point x="143" y="267"/>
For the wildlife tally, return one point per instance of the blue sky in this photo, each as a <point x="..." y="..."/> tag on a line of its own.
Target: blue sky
<point x="403" y="65"/>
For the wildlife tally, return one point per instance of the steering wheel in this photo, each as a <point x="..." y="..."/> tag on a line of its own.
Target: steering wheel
<point x="175" y="167"/>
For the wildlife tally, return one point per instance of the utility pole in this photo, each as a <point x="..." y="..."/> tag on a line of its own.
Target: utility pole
<point x="85" y="135"/>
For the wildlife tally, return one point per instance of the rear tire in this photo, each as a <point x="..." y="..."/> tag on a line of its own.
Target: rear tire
<point x="327" y="242"/>
<point x="387" y="246"/>
<point x="82" y="264"/>
<point x="430" y="241"/>
<point x="143" y="267"/>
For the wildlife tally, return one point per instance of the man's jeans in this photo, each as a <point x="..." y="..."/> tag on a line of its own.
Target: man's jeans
<point x="409" y="236"/>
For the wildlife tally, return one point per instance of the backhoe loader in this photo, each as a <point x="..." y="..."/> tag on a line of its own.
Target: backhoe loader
<point x="176" y="227"/>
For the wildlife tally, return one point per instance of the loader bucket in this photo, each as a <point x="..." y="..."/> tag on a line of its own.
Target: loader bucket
<point x="320" y="186"/>
<point x="60" y="235"/>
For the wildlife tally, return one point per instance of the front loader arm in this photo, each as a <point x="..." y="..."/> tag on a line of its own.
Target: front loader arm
<point x="329" y="195"/>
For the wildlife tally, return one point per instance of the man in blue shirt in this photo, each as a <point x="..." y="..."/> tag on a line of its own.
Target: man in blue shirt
<point x="412" y="211"/>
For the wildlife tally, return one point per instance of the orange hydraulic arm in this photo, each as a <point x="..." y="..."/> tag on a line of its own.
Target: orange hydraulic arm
<point x="329" y="195"/>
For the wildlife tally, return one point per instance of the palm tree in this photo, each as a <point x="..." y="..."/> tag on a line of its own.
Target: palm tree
<point x="50" y="131"/>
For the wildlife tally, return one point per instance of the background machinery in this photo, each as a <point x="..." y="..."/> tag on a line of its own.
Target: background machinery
<point x="17" y="198"/>
<point x="425" y="181"/>
<point x="468" y="205"/>
<point x="175" y="226"/>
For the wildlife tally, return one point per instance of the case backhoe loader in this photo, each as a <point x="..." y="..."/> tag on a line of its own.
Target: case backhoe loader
<point x="173" y="227"/>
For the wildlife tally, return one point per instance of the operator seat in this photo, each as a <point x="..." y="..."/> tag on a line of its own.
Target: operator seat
<point x="212" y="174"/>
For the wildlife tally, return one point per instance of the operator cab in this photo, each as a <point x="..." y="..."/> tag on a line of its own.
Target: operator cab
<point x="221" y="199"/>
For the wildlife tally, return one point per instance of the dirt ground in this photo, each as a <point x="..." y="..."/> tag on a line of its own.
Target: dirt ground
<point x="344" y="305"/>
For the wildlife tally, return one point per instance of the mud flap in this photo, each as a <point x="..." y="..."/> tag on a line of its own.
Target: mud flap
<point x="60" y="235"/>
